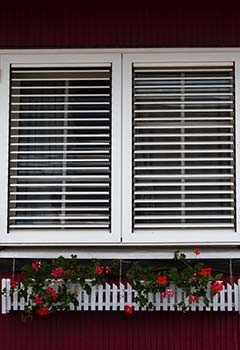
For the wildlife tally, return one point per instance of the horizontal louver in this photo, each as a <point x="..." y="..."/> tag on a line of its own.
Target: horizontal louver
<point x="183" y="147"/>
<point x="60" y="147"/>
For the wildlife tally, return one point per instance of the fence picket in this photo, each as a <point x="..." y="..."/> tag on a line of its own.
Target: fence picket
<point x="236" y="298"/>
<point x="93" y="298"/>
<point x="100" y="298"/>
<point x="122" y="296"/>
<point x="229" y="297"/>
<point x="107" y="296"/>
<point x="85" y="300"/>
<point x="4" y="299"/>
<point x="114" y="297"/>
<point x="222" y="300"/>
<point x="8" y="295"/>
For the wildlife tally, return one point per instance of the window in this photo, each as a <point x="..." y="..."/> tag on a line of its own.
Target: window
<point x="112" y="148"/>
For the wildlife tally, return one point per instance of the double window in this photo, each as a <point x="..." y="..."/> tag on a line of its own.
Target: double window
<point x="101" y="148"/>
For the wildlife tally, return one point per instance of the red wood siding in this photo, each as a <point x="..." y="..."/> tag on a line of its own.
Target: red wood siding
<point x="120" y="331"/>
<point x="118" y="23"/>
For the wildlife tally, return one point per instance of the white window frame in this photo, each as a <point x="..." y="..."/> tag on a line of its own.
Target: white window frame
<point x="121" y="233"/>
<point x="170" y="236"/>
<point x="65" y="237"/>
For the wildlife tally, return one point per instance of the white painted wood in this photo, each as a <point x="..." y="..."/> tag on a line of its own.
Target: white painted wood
<point x="79" y="298"/>
<point x="157" y="301"/>
<point x="112" y="297"/>
<point x="15" y="300"/>
<point x="129" y="294"/>
<point x="100" y="297"/>
<point x="222" y="300"/>
<point x="85" y="301"/>
<point x="215" y="302"/>
<point x="107" y="297"/>
<point x="237" y="142"/>
<point x="93" y="298"/>
<point x="172" y="299"/>
<point x="236" y="304"/>
<point x="164" y="303"/>
<point x="69" y="236"/>
<point x="136" y="251"/>
<point x="230" y="290"/>
<point x="8" y="294"/>
<point x="122" y="296"/>
<point x="3" y="298"/>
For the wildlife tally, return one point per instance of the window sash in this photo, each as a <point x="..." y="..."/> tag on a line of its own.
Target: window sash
<point x="67" y="236"/>
<point x="169" y="235"/>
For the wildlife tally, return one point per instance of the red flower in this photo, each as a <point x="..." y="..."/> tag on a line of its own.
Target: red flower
<point x="168" y="292"/>
<point x="14" y="284"/>
<point x="193" y="298"/>
<point x="43" y="311"/>
<point x="205" y="271"/>
<point x="128" y="309"/>
<point x="99" y="270"/>
<point x="162" y="280"/>
<point x="57" y="273"/>
<point x="196" y="251"/>
<point x="107" y="269"/>
<point x="217" y="286"/>
<point x="52" y="292"/>
<point x="164" y="294"/>
<point x="36" y="265"/>
<point x="38" y="300"/>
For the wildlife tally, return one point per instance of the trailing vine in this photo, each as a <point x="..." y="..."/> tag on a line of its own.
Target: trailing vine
<point x="51" y="286"/>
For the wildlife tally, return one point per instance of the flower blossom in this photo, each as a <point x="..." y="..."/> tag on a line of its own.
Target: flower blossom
<point x="162" y="280"/>
<point x="57" y="273"/>
<point x="99" y="270"/>
<point x="128" y="309"/>
<point x="36" y="265"/>
<point x="217" y="286"/>
<point x="43" y="311"/>
<point x="168" y="292"/>
<point x="196" y="251"/>
<point x="38" y="300"/>
<point x="14" y="284"/>
<point x="206" y="271"/>
<point x="107" y="269"/>
<point x="193" y="298"/>
<point x="52" y="292"/>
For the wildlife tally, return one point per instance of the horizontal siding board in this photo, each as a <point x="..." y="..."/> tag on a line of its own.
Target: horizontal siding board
<point x="114" y="24"/>
<point x="94" y="330"/>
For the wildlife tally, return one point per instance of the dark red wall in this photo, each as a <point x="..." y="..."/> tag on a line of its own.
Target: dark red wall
<point x="115" y="23"/>
<point x="120" y="331"/>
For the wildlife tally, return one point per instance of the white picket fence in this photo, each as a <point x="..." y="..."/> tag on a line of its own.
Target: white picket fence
<point x="115" y="297"/>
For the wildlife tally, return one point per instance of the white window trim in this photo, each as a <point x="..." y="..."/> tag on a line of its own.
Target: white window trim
<point x="64" y="236"/>
<point x="121" y="180"/>
<point x="173" y="236"/>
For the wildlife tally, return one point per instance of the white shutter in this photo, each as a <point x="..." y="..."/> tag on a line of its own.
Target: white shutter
<point x="60" y="148"/>
<point x="183" y="147"/>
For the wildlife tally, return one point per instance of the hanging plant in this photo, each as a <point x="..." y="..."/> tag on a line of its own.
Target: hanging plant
<point x="193" y="278"/>
<point x="51" y="286"/>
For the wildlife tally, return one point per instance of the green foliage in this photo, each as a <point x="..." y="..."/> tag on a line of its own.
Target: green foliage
<point x="51" y="286"/>
<point x="193" y="278"/>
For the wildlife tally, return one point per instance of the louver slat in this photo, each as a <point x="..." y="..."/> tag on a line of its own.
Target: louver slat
<point x="60" y="146"/>
<point x="183" y="147"/>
